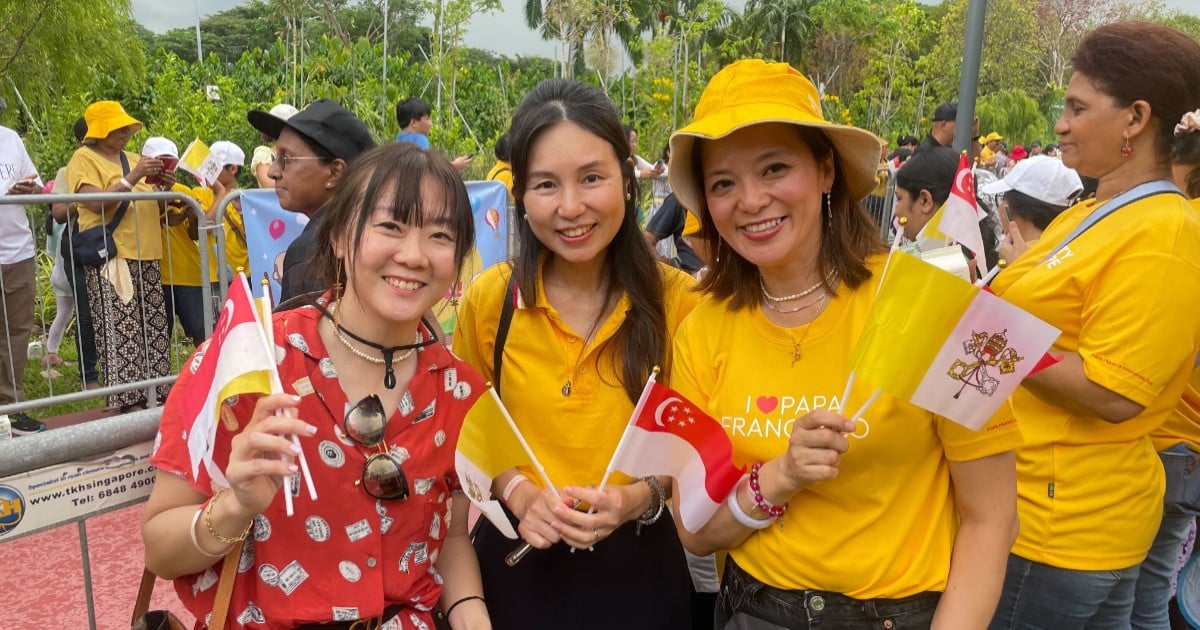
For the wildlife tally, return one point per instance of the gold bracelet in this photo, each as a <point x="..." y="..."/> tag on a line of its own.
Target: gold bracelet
<point x="212" y="530"/>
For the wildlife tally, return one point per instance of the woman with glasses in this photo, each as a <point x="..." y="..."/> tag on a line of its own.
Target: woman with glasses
<point x="377" y="404"/>
<point x="313" y="150"/>
<point x="592" y="314"/>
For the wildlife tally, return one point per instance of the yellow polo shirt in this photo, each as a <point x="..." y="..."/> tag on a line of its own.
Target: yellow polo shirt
<point x="1125" y="295"/>
<point x="235" y="250"/>
<point x="137" y="237"/>
<point x="885" y="526"/>
<point x="573" y="436"/>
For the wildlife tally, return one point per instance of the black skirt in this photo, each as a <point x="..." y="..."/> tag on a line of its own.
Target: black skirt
<point x="629" y="581"/>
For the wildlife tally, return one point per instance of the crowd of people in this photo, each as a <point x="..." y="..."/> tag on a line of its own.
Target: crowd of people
<point x="1067" y="510"/>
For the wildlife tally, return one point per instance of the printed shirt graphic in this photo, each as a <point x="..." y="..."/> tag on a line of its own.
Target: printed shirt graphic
<point x="16" y="241"/>
<point x="891" y="504"/>
<point x="348" y="555"/>
<point x="1123" y="295"/>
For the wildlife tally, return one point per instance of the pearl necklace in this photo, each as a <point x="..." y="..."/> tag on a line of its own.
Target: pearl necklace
<point x="795" y="296"/>
<point x="389" y="358"/>
<point x="820" y="300"/>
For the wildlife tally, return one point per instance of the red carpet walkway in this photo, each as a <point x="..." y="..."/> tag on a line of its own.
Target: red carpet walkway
<point x="41" y="576"/>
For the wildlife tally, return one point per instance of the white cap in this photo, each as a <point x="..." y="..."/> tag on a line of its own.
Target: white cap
<point x="1041" y="177"/>
<point x="225" y="153"/>
<point x="159" y="146"/>
<point x="283" y="111"/>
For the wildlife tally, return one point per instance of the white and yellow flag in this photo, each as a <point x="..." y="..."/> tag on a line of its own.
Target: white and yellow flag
<point x="946" y="345"/>
<point x="489" y="444"/>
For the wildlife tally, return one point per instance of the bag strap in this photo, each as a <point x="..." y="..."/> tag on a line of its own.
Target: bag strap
<point x="116" y="220"/>
<point x="220" y="605"/>
<point x="506" y="315"/>
<point x="1137" y="193"/>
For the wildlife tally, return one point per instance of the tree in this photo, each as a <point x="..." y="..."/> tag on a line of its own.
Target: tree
<point x="889" y="101"/>
<point x="1064" y="23"/>
<point x="1011" y="45"/>
<point x="51" y="49"/>
<point x="785" y="24"/>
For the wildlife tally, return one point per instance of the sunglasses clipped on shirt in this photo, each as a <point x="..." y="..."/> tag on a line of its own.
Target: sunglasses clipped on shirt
<point x="383" y="477"/>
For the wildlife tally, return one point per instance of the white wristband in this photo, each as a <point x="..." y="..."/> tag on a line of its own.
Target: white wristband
<point x="124" y="182"/>
<point x="512" y="485"/>
<point x="739" y="514"/>
<point x="196" y="542"/>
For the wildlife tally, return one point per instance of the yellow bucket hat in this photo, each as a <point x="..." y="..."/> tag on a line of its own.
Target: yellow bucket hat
<point x="751" y="92"/>
<point x="105" y="117"/>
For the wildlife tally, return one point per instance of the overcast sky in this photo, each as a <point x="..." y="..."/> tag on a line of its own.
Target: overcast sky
<point x="503" y="32"/>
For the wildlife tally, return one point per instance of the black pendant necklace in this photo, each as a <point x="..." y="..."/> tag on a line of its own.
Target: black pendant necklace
<point x="389" y="352"/>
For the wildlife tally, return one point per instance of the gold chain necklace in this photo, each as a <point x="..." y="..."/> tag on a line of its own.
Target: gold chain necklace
<point x="795" y="296"/>
<point x="823" y="297"/>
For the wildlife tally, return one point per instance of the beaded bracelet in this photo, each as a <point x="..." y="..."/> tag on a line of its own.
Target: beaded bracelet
<point x="740" y="515"/>
<point x="770" y="509"/>
<point x="658" y="501"/>
<point x="212" y="530"/>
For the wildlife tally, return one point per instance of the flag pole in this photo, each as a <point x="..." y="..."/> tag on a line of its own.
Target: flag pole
<point x="268" y="327"/>
<point x="637" y="411"/>
<point x="846" y="391"/>
<point x="520" y="552"/>
<point x="867" y="405"/>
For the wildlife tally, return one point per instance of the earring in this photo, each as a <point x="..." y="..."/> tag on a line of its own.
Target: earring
<point x="829" y="210"/>
<point x="902" y="220"/>
<point x="720" y="243"/>
<point x="1126" y="150"/>
<point x="628" y="196"/>
<point x="328" y="185"/>
<point x="336" y="288"/>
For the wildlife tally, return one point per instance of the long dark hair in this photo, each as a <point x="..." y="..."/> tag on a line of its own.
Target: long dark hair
<point x="403" y="168"/>
<point x="845" y="243"/>
<point x="641" y="341"/>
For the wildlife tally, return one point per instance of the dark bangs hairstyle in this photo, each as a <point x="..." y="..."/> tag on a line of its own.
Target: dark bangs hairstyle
<point x="846" y="240"/>
<point x="394" y="167"/>
<point x="1133" y="61"/>
<point x="932" y="169"/>
<point x="642" y="341"/>
<point x="1037" y="212"/>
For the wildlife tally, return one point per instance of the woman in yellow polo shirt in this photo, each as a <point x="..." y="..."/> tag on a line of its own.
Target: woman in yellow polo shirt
<point x="125" y="294"/>
<point x="900" y="520"/>
<point x="1125" y="294"/>
<point x="592" y="313"/>
<point x="1178" y="439"/>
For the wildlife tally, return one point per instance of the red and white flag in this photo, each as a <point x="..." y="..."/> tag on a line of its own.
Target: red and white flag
<point x="237" y="359"/>
<point x="959" y="217"/>
<point x="669" y="435"/>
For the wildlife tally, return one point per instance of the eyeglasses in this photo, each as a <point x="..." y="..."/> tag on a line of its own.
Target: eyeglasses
<point x="366" y="424"/>
<point x="283" y="160"/>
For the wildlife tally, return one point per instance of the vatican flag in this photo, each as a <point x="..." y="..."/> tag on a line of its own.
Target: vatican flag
<point x="946" y="345"/>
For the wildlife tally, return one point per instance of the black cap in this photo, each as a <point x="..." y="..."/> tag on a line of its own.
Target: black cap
<point x="323" y="123"/>
<point x="945" y="111"/>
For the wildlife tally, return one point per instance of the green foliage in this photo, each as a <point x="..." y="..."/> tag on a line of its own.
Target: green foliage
<point x="1013" y="113"/>
<point x="1011" y="47"/>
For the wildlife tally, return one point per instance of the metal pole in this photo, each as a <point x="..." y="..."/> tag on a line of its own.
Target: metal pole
<point x="87" y="575"/>
<point x="968" y="84"/>
<point x="199" y="51"/>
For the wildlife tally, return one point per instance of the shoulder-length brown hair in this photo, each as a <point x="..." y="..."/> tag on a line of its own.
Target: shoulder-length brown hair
<point x="847" y="237"/>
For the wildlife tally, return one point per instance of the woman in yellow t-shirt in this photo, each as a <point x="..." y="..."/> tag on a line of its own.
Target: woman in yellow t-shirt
<point x="902" y="519"/>
<point x="1125" y="294"/>
<point x="125" y="294"/>
<point x="592" y="313"/>
<point x="1178" y="438"/>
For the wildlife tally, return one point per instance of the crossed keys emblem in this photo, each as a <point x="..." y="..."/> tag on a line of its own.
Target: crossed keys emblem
<point x="988" y="350"/>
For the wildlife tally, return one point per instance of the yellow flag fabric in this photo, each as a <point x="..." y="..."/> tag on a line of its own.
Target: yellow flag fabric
<point x="193" y="156"/>
<point x="945" y="345"/>
<point x="487" y="446"/>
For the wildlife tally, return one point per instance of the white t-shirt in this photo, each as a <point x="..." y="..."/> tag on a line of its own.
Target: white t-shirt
<point x="16" y="240"/>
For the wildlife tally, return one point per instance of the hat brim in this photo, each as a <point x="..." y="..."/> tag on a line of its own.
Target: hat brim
<point x="266" y="122"/>
<point x="995" y="188"/>
<point x="104" y="128"/>
<point x="856" y="150"/>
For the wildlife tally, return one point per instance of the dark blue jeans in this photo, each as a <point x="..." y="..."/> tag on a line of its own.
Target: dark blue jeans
<point x="187" y="303"/>
<point x="84" y="333"/>
<point x="744" y="603"/>
<point x="1038" y="596"/>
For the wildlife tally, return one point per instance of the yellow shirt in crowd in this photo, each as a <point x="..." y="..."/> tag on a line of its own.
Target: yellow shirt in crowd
<point x="137" y="237"/>
<point x="502" y="172"/>
<point x="885" y="526"/>
<point x="1183" y="425"/>
<point x="573" y="436"/>
<point x="236" y="254"/>
<point x="181" y="254"/>
<point x="1124" y="294"/>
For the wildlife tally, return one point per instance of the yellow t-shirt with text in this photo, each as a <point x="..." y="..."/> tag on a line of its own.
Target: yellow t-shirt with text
<point x="573" y="436"/>
<point x="1125" y="295"/>
<point x="137" y="237"/>
<point x="885" y="526"/>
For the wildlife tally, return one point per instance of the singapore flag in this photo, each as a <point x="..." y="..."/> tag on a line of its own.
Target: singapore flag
<point x="671" y="436"/>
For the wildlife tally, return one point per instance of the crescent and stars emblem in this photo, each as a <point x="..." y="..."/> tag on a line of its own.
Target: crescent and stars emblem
<point x="671" y="417"/>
